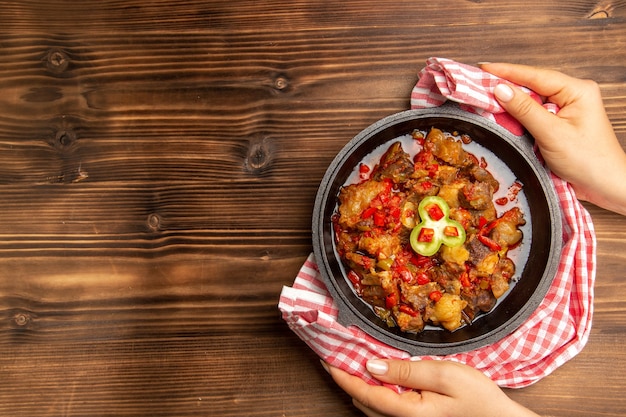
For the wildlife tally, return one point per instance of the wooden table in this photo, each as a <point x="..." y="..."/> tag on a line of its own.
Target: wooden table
<point x="158" y="165"/>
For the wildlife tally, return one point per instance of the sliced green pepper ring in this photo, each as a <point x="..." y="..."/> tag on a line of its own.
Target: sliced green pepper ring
<point x="436" y="227"/>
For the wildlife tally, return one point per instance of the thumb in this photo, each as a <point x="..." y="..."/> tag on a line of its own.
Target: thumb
<point x="442" y="377"/>
<point x="524" y="108"/>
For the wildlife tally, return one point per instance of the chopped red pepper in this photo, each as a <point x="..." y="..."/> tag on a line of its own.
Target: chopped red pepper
<point x="482" y="222"/>
<point x="354" y="277"/>
<point x="422" y="278"/>
<point x="364" y="171"/>
<point x="408" y="310"/>
<point x="435" y="296"/>
<point x="465" y="281"/>
<point x="368" y="212"/>
<point x="379" y="219"/>
<point x="395" y="212"/>
<point x="490" y="243"/>
<point x="426" y="235"/>
<point x="502" y="201"/>
<point x="422" y="158"/>
<point x="404" y="274"/>
<point x="391" y="300"/>
<point x="421" y="261"/>
<point x="487" y="228"/>
<point x="432" y="170"/>
<point x="388" y="185"/>
<point x="450" y="231"/>
<point x="435" y="212"/>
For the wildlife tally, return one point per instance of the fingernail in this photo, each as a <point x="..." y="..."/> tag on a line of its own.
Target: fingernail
<point x="377" y="367"/>
<point x="503" y="92"/>
<point x="481" y="63"/>
<point x="325" y="366"/>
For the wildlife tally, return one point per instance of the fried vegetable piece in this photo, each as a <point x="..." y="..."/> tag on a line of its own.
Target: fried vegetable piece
<point x="354" y="199"/>
<point x="449" y="311"/>
<point x="395" y="164"/>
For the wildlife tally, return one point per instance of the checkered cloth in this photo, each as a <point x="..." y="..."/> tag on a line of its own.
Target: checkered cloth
<point x="443" y="79"/>
<point x="552" y="335"/>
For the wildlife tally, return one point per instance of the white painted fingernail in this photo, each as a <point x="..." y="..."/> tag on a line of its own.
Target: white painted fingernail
<point x="377" y="367"/>
<point x="325" y="366"/>
<point x="503" y="92"/>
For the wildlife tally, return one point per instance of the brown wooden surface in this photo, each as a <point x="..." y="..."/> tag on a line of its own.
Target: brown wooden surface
<point x="158" y="165"/>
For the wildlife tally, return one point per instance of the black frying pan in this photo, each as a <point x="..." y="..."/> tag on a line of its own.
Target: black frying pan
<point x="536" y="274"/>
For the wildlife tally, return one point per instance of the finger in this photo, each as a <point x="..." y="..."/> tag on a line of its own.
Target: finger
<point x="545" y="82"/>
<point x="360" y="390"/>
<point x="441" y="377"/>
<point x="377" y="400"/>
<point x="525" y="109"/>
<point x="556" y="87"/>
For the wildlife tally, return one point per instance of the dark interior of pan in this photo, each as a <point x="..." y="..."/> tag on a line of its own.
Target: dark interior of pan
<point x="536" y="274"/>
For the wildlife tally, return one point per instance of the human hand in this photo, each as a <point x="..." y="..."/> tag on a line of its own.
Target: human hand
<point x="442" y="388"/>
<point x="578" y="144"/>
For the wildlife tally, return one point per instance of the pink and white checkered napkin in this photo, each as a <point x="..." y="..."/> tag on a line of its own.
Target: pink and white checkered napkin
<point x="443" y="79"/>
<point x="556" y="332"/>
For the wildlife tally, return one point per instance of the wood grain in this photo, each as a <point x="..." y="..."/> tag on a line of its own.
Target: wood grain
<point x="158" y="166"/>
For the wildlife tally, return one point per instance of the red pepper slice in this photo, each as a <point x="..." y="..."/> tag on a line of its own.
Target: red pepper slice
<point x="490" y="243"/>
<point x="435" y="296"/>
<point x="421" y="261"/>
<point x="482" y="222"/>
<point x="379" y="219"/>
<point x="422" y="278"/>
<point x="502" y="201"/>
<point x="364" y="171"/>
<point x="354" y="277"/>
<point x="404" y="274"/>
<point x="486" y="229"/>
<point x="450" y="231"/>
<point x="391" y="300"/>
<point x="465" y="281"/>
<point x="426" y="235"/>
<point x="435" y="212"/>
<point x="432" y="170"/>
<point x="368" y="212"/>
<point x="408" y="310"/>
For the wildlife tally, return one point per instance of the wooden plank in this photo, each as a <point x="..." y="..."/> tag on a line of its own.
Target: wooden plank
<point x="158" y="166"/>
<point x="249" y="15"/>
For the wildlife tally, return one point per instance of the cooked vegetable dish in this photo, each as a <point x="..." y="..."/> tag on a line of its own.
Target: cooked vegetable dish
<point x="421" y="236"/>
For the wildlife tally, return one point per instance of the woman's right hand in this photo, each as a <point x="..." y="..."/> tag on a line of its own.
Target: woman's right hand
<point x="440" y="389"/>
<point x="578" y="144"/>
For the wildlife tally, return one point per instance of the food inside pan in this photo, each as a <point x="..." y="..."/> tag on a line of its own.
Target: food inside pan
<point x="430" y="227"/>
